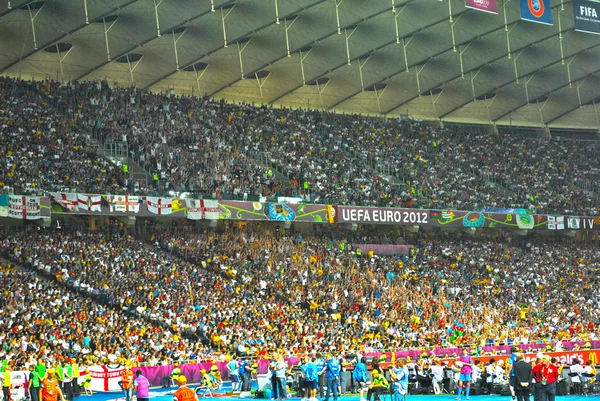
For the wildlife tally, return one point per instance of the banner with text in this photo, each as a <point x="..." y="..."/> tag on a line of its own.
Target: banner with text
<point x="437" y="218"/>
<point x="28" y="207"/>
<point x="488" y="6"/>
<point x="198" y="209"/>
<point x="587" y="16"/>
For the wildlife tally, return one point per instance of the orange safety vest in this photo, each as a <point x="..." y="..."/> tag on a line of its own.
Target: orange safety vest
<point x="185" y="394"/>
<point x="50" y="392"/>
<point x="127" y="379"/>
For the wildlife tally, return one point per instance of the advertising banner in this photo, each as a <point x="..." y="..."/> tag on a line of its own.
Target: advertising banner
<point x="488" y="6"/>
<point x="18" y="383"/>
<point x="273" y="211"/>
<point x="539" y="11"/>
<point x="200" y="209"/>
<point x="587" y="16"/>
<point x="436" y="218"/>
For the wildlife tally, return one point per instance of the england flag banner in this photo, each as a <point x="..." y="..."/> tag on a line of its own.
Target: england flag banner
<point x="124" y="203"/>
<point x="89" y="203"/>
<point x="556" y="223"/>
<point x="160" y="206"/>
<point x="200" y="209"/>
<point x="24" y="207"/>
<point x="67" y="201"/>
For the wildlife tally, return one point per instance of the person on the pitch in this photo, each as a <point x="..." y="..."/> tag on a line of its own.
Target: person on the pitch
<point x="51" y="390"/>
<point x="184" y="393"/>
<point x="464" y="380"/>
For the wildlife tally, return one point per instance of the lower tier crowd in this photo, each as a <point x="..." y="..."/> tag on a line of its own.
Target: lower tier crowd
<point x="247" y="290"/>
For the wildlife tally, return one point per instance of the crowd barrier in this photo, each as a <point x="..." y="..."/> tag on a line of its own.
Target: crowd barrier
<point x="106" y="378"/>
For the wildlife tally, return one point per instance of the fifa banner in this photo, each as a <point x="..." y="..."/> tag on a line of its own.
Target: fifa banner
<point x="301" y="212"/>
<point x="587" y="16"/>
<point x="28" y="207"/>
<point x="488" y="6"/>
<point x="539" y="11"/>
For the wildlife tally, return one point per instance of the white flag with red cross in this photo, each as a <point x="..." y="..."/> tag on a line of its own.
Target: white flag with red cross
<point x="89" y="203"/>
<point x="24" y="207"/>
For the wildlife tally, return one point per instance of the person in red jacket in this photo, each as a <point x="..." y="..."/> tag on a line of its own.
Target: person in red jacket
<point x="546" y="376"/>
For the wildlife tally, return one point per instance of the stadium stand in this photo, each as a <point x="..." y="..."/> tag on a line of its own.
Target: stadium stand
<point x="267" y="291"/>
<point x="224" y="151"/>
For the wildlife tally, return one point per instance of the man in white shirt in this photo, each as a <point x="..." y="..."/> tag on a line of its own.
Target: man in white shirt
<point x="575" y="373"/>
<point x="437" y="372"/>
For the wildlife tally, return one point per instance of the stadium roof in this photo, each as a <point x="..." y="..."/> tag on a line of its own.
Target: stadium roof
<point x="427" y="58"/>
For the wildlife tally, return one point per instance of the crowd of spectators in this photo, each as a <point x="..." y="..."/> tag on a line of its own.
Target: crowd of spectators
<point x="225" y="150"/>
<point x="43" y="146"/>
<point x="250" y="291"/>
<point x="41" y="319"/>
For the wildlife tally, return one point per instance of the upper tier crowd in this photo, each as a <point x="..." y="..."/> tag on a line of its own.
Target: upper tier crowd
<point x="226" y="150"/>
<point x="249" y="291"/>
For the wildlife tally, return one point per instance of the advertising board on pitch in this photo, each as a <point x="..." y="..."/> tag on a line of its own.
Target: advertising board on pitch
<point x="587" y="16"/>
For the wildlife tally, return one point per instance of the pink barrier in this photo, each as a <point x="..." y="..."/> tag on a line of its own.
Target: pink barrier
<point x="155" y="374"/>
<point x="383" y="249"/>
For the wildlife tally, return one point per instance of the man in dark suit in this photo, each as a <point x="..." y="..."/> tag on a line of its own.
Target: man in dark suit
<point x="522" y="371"/>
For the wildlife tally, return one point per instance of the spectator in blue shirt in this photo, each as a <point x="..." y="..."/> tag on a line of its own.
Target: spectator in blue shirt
<point x="332" y="374"/>
<point x="399" y="375"/>
<point x="311" y="377"/>
<point x="280" y="369"/>
<point x="234" y="374"/>
<point x="321" y="366"/>
<point x="245" y="375"/>
<point x="360" y="376"/>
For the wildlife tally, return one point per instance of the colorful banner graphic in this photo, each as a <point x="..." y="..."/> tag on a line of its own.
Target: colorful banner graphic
<point x="273" y="211"/>
<point x="199" y="209"/>
<point x="488" y="6"/>
<point x="539" y="11"/>
<point x="3" y="205"/>
<point x="437" y="218"/>
<point x="587" y="16"/>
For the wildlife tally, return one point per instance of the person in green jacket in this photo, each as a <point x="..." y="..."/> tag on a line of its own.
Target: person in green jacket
<point x="175" y="373"/>
<point x="40" y="371"/>
<point x="68" y="380"/>
<point x="6" y="382"/>
<point x="379" y="385"/>
<point x="60" y="373"/>
<point x="34" y="386"/>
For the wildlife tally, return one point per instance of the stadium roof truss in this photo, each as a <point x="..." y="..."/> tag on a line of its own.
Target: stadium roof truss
<point x="426" y="58"/>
